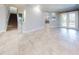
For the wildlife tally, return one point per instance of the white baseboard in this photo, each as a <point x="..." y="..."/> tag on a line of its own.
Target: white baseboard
<point x="66" y="28"/>
<point x="2" y="31"/>
<point x="54" y="26"/>
<point x="33" y="30"/>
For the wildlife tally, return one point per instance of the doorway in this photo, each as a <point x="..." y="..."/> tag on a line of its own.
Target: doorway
<point x="12" y="22"/>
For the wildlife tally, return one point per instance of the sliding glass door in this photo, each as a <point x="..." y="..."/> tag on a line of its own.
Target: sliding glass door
<point x="68" y="19"/>
<point x="71" y="20"/>
<point x="64" y="20"/>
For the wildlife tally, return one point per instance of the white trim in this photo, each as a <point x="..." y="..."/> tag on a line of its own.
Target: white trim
<point x="33" y="30"/>
<point x="54" y="26"/>
<point x="66" y="28"/>
<point x="2" y="31"/>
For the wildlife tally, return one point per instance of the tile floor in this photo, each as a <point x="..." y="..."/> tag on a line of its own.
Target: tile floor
<point x="47" y="41"/>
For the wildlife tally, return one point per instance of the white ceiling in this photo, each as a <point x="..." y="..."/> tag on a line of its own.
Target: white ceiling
<point x="19" y="6"/>
<point x="49" y="7"/>
<point x="58" y="7"/>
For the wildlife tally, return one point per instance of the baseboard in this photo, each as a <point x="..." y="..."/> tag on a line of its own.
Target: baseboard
<point x="54" y="27"/>
<point x="33" y="30"/>
<point x="2" y="31"/>
<point x="66" y="28"/>
<point x="69" y="28"/>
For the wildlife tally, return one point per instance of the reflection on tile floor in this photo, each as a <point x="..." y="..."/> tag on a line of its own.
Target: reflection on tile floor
<point x="45" y="41"/>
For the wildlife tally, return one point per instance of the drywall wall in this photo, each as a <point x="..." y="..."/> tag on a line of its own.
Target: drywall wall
<point x="13" y="10"/>
<point x="78" y="19"/>
<point x="20" y="17"/>
<point x="33" y="19"/>
<point x="3" y="18"/>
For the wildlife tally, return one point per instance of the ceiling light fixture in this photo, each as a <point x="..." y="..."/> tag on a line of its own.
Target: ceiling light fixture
<point x="37" y="8"/>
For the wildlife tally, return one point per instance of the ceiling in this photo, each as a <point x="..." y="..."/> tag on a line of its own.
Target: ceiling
<point x="59" y="7"/>
<point x="19" y="6"/>
<point x="49" y="7"/>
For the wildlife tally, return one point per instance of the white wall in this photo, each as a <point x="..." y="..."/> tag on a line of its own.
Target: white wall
<point x="78" y="19"/>
<point x="13" y="10"/>
<point x="33" y="20"/>
<point x="3" y="18"/>
<point x="20" y="20"/>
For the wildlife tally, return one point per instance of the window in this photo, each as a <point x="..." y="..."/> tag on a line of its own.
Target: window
<point x="68" y="19"/>
<point x="64" y="19"/>
<point x="72" y="20"/>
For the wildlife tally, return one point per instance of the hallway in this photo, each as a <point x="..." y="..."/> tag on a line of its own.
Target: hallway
<point x="45" y="41"/>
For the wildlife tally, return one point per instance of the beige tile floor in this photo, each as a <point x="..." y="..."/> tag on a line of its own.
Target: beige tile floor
<point x="46" y="41"/>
